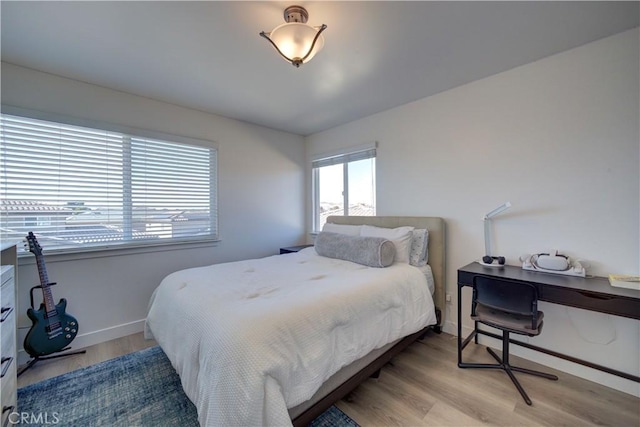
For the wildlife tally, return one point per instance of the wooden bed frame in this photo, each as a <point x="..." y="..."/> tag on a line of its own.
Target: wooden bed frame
<point x="436" y="227"/>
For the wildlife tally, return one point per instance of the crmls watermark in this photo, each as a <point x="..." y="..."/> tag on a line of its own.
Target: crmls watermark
<point x="27" y="418"/>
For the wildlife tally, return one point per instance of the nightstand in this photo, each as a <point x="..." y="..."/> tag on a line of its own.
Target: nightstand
<point x="291" y="249"/>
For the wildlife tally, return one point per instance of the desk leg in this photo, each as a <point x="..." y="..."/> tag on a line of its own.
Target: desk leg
<point x="459" y="324"/>
<point x="475" y="329"/>
<point x="473" y="335"/>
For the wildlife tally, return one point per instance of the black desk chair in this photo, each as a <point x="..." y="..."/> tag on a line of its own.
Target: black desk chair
<point x="512" y="307"/>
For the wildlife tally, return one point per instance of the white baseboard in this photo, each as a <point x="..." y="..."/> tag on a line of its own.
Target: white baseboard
<point x="90" y="338"/>
<point x="452" y="329"/>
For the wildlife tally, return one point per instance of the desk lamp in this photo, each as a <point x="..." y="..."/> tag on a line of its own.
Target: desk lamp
<point x="488" y="259"/>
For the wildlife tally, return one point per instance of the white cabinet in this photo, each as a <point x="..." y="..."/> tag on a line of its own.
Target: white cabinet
<point x="8" y="348"/>
<point x="8" y="380"/>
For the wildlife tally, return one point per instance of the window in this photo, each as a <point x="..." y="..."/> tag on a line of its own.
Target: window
<point x="344" y="185"/>
<point x="79" y="187"/>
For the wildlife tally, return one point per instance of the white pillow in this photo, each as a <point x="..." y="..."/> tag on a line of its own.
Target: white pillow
<point x="349" y="230"/>
<point x="401" y="238"/>
<point x="419" y="256"/>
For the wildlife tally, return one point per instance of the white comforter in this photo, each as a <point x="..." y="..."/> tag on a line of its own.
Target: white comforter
<point x="252" y="338"/>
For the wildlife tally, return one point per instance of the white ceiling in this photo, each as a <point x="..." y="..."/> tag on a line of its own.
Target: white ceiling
<point x="208" y="55"/>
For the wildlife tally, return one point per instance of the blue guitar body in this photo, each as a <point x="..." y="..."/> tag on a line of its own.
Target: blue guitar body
<point x="50" y="334"/>
<point x="53" y="329"/>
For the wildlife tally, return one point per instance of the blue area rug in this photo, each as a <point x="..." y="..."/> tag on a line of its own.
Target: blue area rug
<point x="137" y="389"/>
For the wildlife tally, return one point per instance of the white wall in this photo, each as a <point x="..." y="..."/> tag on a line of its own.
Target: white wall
<point x="560" y="139"/>
<point x="261" y="201"/>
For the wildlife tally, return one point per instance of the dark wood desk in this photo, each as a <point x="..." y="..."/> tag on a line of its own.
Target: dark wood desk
<point x="594" y="293"/>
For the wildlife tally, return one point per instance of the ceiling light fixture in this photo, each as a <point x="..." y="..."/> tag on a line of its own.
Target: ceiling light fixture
<point x="295" y="40"/>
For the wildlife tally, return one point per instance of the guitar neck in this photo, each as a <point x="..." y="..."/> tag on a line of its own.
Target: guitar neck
<point x="47" y="296"/>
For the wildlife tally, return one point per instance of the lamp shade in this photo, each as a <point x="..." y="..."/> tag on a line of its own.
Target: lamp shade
<point x="294" y="39"/>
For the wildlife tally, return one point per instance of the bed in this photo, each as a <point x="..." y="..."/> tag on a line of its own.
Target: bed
<point x="277" y="340"/>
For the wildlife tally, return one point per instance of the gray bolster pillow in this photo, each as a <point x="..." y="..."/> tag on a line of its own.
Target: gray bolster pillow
<point x="370" y="251"/>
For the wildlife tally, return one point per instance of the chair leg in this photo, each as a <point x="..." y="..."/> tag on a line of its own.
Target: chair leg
<point x="519" y="369"/>
<point x="515" y="382"/>
<point x="536" y="373"/>
<point x="506" y="366"/>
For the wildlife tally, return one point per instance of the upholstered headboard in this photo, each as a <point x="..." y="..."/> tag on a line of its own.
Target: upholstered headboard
<point x="436" y="227"/>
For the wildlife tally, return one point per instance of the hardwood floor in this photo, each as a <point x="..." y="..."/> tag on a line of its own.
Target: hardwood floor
<point x="424" y="387"/>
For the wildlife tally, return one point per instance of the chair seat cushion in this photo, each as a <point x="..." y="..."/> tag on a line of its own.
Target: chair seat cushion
<point x="511" y="322"/>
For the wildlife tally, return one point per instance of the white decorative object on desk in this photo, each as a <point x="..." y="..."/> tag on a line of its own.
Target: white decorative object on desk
<point x="625" y="281"/>
<point x="553" y="263"/>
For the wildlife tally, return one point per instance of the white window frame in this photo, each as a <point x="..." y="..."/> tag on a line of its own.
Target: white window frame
<point x="343" y="157"/>
<point x="145" y="134"/>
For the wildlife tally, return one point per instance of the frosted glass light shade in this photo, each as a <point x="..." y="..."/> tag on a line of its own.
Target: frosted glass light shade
<point x="294" y="40"/>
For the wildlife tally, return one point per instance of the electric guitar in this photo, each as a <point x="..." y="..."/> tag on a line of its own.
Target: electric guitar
<point x="52" y="328"/>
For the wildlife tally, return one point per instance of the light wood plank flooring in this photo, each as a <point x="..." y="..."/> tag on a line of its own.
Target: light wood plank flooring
<point x="424" y="387"/>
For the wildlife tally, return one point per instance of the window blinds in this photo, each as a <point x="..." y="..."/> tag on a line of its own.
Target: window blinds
<point x="344" y="158"/>
<point x="77" y="187"/>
